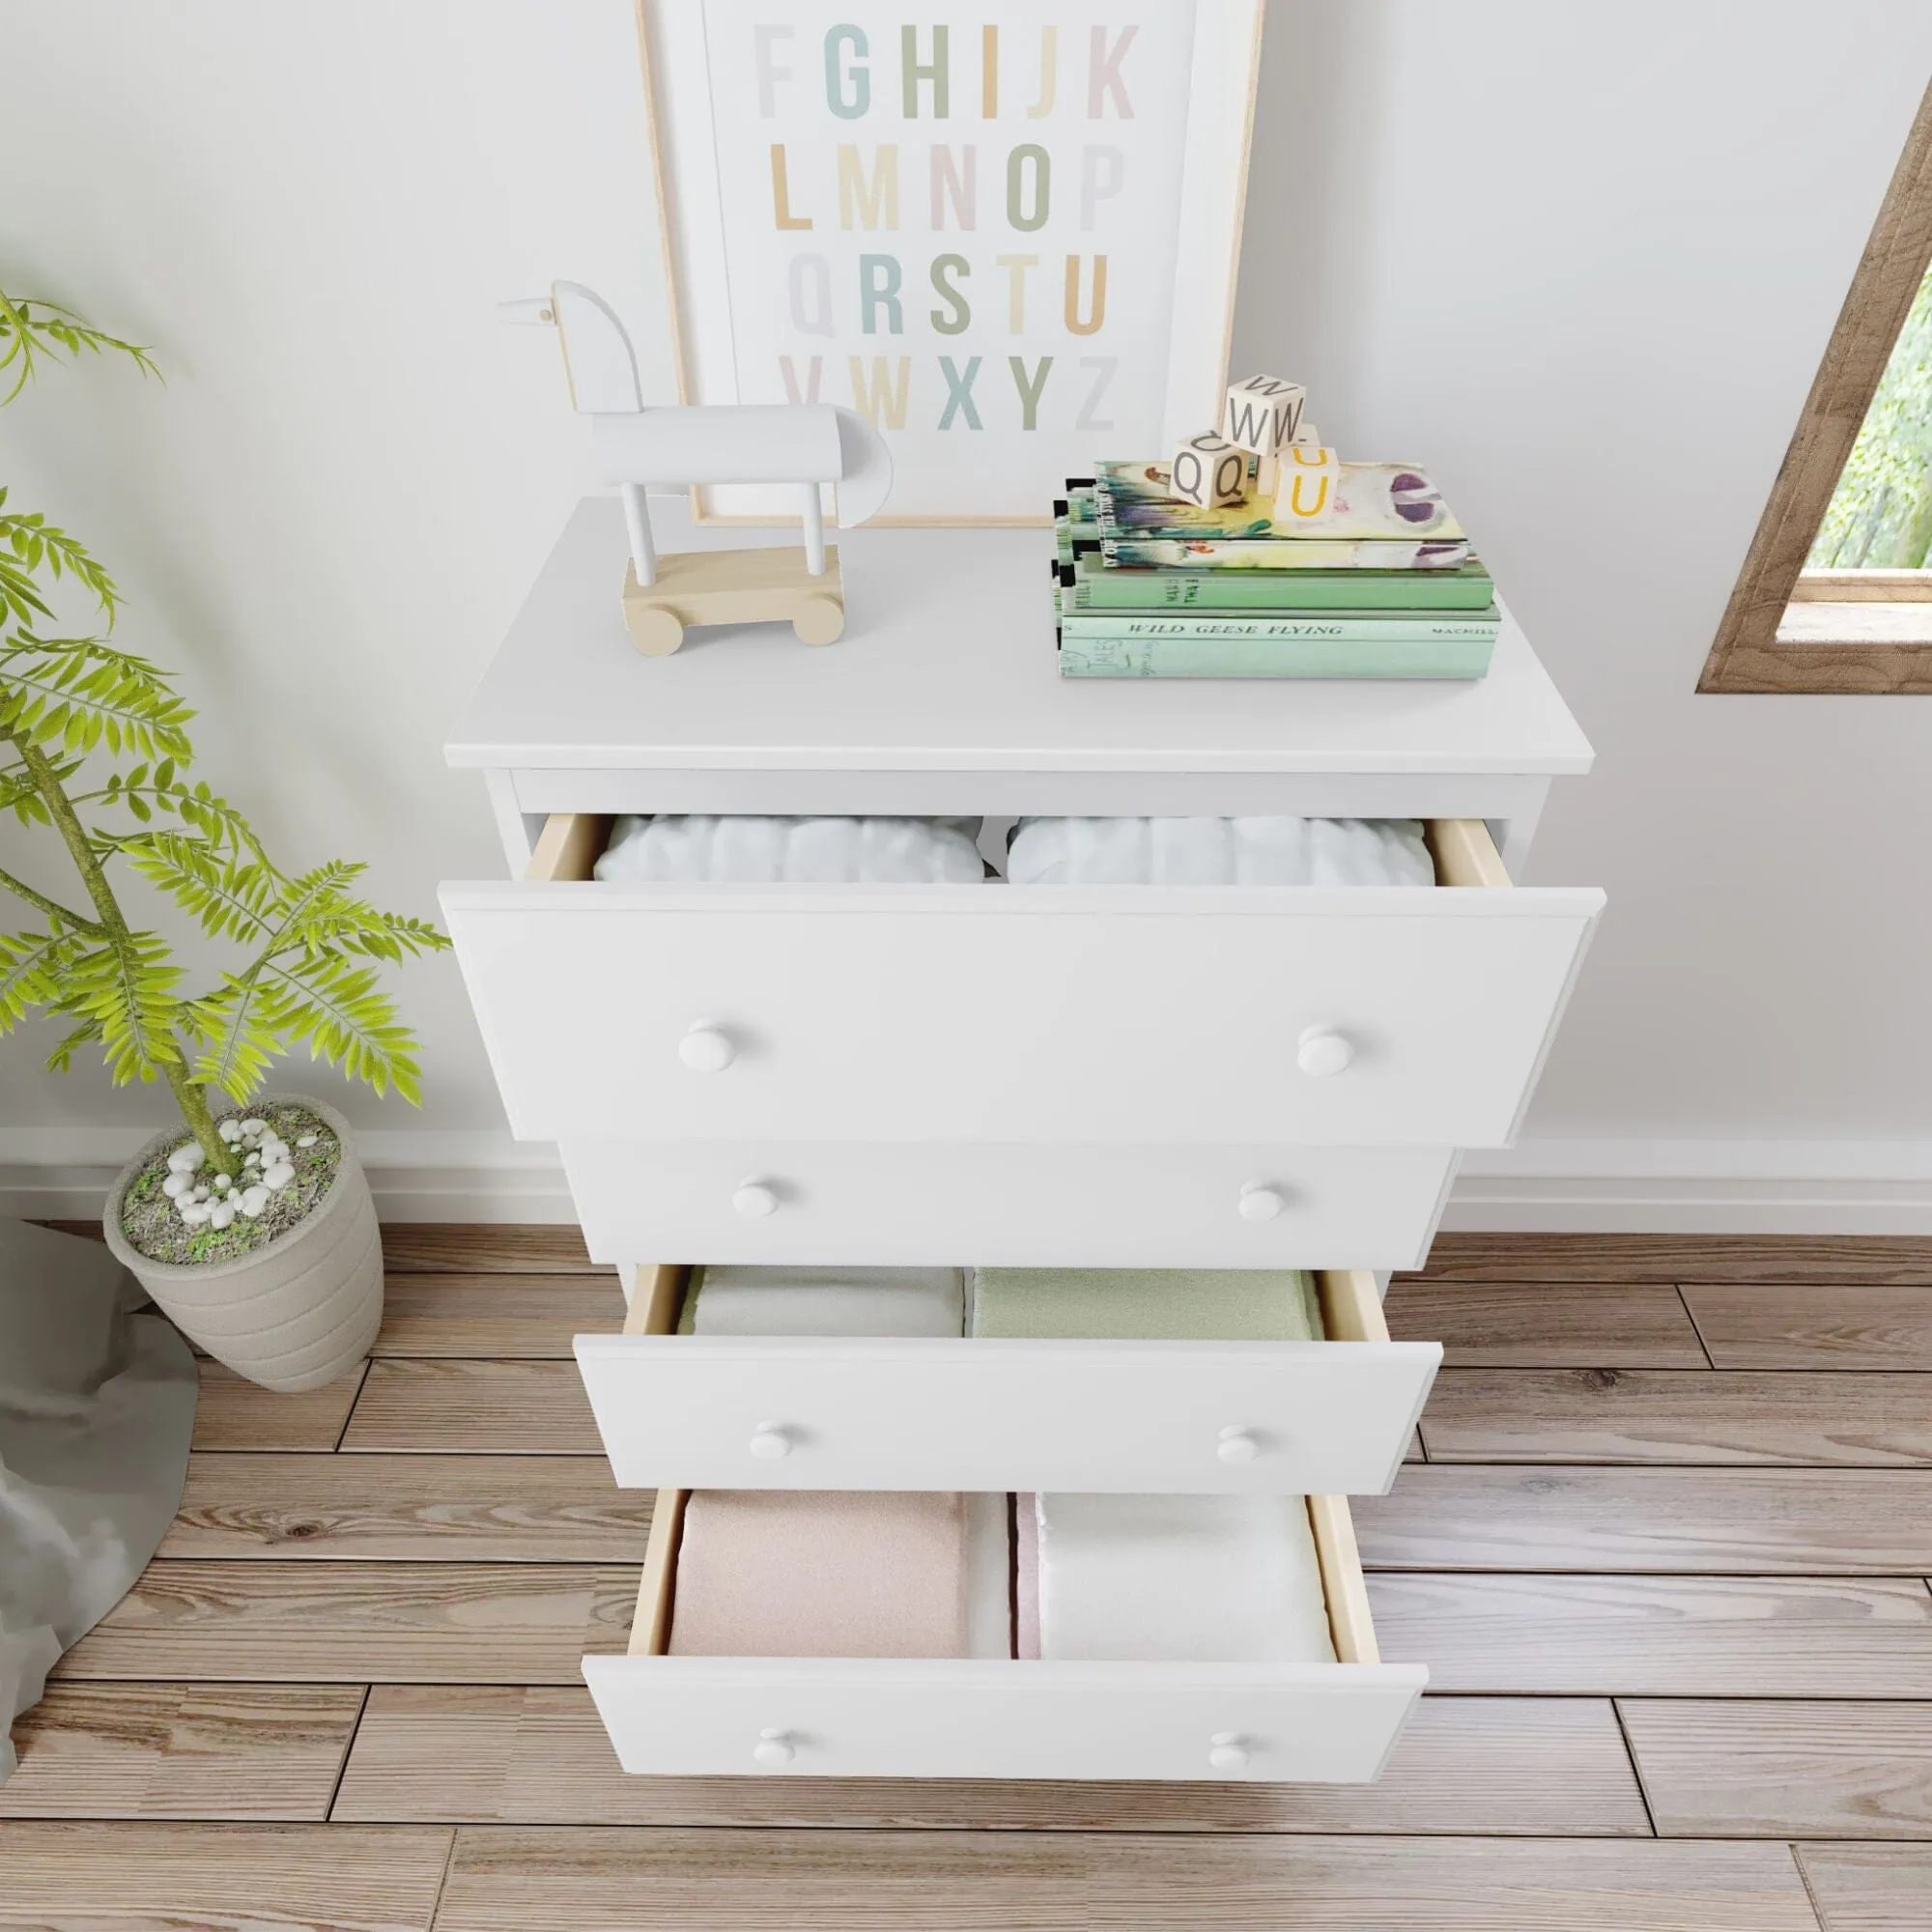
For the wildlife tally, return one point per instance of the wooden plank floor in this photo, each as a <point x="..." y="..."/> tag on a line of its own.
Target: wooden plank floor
<point x="1667" y="1556"/>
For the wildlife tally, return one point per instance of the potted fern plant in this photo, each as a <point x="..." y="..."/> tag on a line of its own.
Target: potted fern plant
<point x="249" y="1221"/>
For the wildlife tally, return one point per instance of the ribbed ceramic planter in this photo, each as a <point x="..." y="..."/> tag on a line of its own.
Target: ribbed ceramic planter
<point x="293" y="1314"/>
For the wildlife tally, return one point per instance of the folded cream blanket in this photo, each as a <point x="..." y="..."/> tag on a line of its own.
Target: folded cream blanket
<point x="989" y="1575"/>
<point x="1261" y="851"/>
<point x="818" y="851"/>
<point x="1147" y="1304"/>
<point x="1199" y="1579"/>
<point x="735" y="1299"/>
<point x="843" y="1573"/>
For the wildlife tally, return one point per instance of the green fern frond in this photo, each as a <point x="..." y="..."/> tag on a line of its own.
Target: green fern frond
<point x="336" y="1007"/>
<point x="61" y="1059"/>
<point x="77" y="693"/>
<point x="30" y="327"/>
<point x="31" y="964"/>
<point x="29" y="542"/>
<point x="309" y="903"/>
<point x="232" y="899"/>
<point x="164" y="794"/>
<point x="237" y="1029"/>
<point x="391" y="935"/>
<point x="21" y="599"/>
<point x="126" y="990"/>
<point x="352" y="925"/>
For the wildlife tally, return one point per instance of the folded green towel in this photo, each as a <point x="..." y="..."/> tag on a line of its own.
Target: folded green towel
<point x="740" y="1300"/>
<point x="1148" y="1304"/>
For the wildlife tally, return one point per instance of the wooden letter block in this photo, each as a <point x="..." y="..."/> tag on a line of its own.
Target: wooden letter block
<point x="1262" y="413"/>
<point x="1267" y="468"/>
<point x="1310" y="480"/>
<point x="1209" y="471"/>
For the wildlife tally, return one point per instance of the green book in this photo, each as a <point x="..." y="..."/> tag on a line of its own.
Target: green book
<point x="1075" y="533"/>
<point x="1273" y="657"/>
<point x="1087" y="584"/>
<point x="1283" y="555"/>
<point x="1357" y="627"/>
<point x="1077" y="507"/>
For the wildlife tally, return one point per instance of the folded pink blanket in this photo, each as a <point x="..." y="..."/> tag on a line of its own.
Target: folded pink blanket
<point x="821" y="1573"/>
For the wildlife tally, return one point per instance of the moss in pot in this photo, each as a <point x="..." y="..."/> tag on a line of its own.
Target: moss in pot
<point x="250" y="1221"/>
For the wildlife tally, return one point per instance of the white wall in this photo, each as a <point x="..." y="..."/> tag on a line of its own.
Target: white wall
<point x="328" y="517"/>
<point x="1582" y="260"/>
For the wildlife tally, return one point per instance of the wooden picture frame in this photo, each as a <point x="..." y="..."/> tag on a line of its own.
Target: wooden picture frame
<point x="1788" y="631"/>
<point x="1029" y="284"/>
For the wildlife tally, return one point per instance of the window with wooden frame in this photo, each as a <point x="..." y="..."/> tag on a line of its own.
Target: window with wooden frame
<point x="1836" y="591"/>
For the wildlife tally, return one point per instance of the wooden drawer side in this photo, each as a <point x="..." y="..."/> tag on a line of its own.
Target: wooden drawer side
<point x="1464" y="853"/>
<point x="659" y="1299"/>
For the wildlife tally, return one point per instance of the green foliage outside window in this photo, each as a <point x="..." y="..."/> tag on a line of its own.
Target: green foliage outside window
<point x="1881" y="514"/>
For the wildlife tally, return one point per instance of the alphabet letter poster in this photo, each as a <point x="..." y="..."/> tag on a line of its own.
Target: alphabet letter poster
<point x="965" y="227"/>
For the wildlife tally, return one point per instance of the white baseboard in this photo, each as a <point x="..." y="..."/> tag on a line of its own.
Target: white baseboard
<point x="64" y="1174"/>
<point x="1695" y="1187"/>
<point x="1542" y="1186"/>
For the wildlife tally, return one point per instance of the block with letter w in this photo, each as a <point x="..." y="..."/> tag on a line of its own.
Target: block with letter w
<point x="1262" y="413"/>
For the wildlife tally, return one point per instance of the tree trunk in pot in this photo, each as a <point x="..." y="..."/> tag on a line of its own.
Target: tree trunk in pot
<point x="292" y="1314"/>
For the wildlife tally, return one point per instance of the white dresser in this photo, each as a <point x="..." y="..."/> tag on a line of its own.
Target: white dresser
<point x="979" y="1075"/>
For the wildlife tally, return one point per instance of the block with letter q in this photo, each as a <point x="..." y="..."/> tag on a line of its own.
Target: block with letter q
<point x="1209" y="470"/>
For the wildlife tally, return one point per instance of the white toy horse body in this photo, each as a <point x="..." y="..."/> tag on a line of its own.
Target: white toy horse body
<point x="807" y="445"/>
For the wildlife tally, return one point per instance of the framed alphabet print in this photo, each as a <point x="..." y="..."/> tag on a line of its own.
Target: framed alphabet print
<point x="1008" y="236"/>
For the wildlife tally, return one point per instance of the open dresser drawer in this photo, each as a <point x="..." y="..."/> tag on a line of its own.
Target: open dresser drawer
<point x="973" y="1718"/>
<point x="690" y="1411"/>
<point x="1094" y="1014"/>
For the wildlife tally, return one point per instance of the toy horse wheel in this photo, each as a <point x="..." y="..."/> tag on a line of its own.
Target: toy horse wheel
<point x="655" y="633"/>
<point x="819" y="620"/>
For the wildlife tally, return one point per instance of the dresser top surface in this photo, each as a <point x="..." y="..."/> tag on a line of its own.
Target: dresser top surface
<point x="947" y="665"/>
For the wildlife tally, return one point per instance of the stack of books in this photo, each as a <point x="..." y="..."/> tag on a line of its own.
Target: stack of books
<point x="1385" y="586"/>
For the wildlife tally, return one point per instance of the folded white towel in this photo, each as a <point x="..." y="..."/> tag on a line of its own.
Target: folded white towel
<point x="1201" y="1580"/>
<point x="817" y="851"/>
<point x="1257" y="851"/>
<point x="735" y="1299"/>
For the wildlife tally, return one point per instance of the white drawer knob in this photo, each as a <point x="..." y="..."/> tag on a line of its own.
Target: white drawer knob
<point x="777" y="1747"/>
<point x="706" y="1048"/>
<point x="1323" y="1051"/>
<point x="1226" y="1751"/>
<point x="755" y="1200"/>
<point x="770" y="1443"/>
<point x="1260" y="1201"/>
<point x="1238" y="1445"/>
